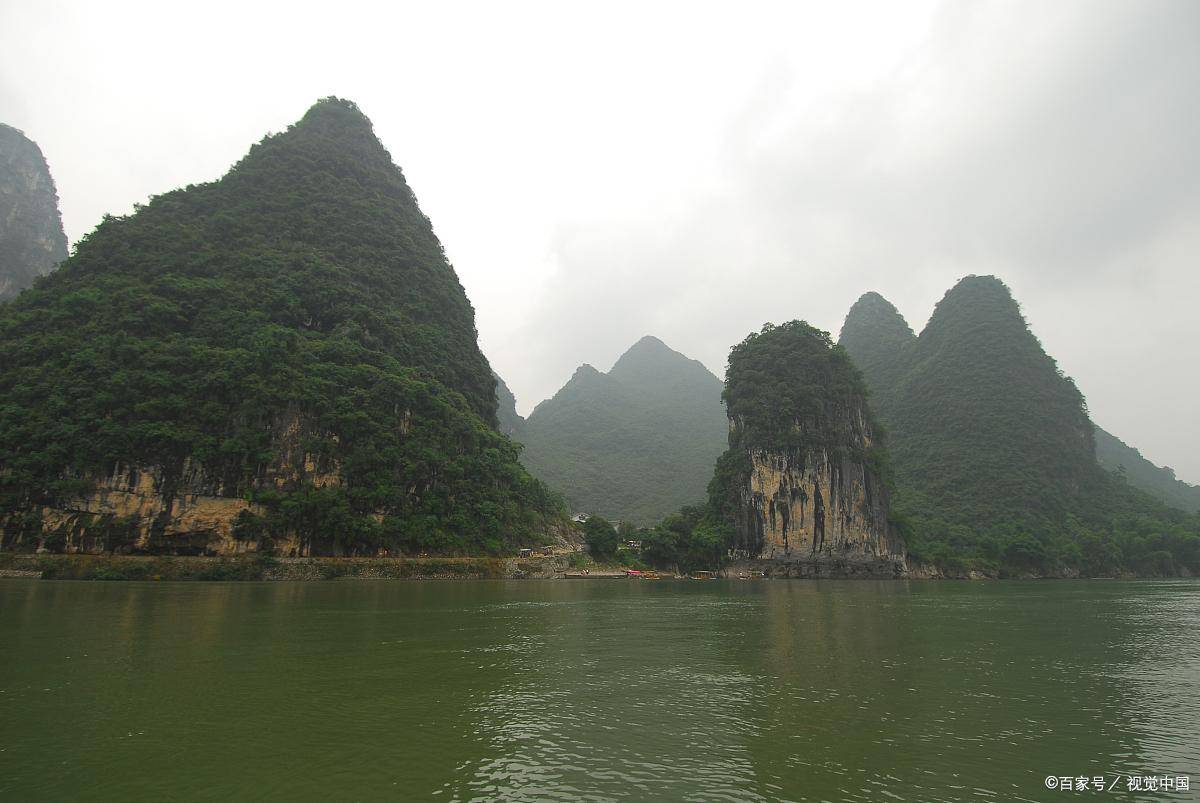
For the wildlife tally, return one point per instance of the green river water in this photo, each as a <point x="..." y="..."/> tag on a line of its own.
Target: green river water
<point x="596" y="690"/>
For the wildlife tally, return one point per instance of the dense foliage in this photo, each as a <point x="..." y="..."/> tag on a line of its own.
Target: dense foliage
<point x="601" y="537"/>
<point x="691" y="539"/>
<point x="633" y="444"/>
<point x="31" y="233"/>
<point x="789" y="386"/>
<point x="302" y="296"/>
<point x="993" y="449"/>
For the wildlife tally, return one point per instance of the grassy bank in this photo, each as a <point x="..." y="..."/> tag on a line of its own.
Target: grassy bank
<point x="262" y="567"/>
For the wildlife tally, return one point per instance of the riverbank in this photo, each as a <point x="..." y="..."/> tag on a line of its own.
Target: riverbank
<point x="261" y="567"/>
<point x="53" y="566"/>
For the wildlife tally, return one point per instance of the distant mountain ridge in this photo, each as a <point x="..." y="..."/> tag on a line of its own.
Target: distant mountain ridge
<point x="32" y="242"/>
<point x="632" y="444"/>
<point x="1116" y="455"/>
<point x="994" y="455"/>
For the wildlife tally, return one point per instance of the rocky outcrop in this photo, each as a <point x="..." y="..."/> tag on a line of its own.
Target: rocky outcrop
<point x="801" y="480"/>
<point x="183" y="511"/>
<point x="32" y="242"/>
<point x="805" y="505"/>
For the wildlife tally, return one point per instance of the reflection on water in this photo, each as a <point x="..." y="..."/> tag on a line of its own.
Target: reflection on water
<point x="596" y="690"/>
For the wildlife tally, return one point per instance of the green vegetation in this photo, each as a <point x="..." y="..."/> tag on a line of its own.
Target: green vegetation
<point x="600" y="537"/>
<point x="633" y="444"/>
<point x="300" y="305"/>
<point x="689" y="540"/>
<point x="993" y="450"/>
<point x="789" y="386"/>
<point x="1115" y="455"/>
<point x="264" y="567"/>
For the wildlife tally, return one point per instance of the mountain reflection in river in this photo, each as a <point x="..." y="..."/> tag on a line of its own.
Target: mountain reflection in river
<point x="595" y="690"/>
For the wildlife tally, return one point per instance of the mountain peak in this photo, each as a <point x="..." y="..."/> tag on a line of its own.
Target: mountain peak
<point x="650" y="360"/>
<point x="875" y="334"/>
<point x="635" y="443"/>
<point x="648" y="343"/>
<point x="973" y="289"/>
<point x="32" y="242"/>
<point x="977" y="304"/>
<point x="333" y="113"/>
<point x="337" y="136"/>
<point x="877" y="315"/>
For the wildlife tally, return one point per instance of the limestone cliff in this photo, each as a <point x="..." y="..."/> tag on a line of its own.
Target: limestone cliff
<point x="802" y="482"/>
<point x="31" y="233"/>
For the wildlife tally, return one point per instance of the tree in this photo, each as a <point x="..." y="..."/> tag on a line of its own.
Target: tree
<point x="601" y="537"/>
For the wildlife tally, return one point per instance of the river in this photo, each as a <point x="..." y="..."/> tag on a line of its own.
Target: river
<point x="596" y="690"/>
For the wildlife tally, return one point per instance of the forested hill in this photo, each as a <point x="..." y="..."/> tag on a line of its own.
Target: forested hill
<point x="290" y="336"/>
<point x="1115" y="455"/>
<point x="877" y="337"/>
<point x="31" y="233"/>
<point x="633" y="444"/>
<point x="992" y="447"/>
<point x="985" y="424"/>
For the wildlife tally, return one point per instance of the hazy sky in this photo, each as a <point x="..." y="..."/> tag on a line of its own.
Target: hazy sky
<point x="603" y="171"/>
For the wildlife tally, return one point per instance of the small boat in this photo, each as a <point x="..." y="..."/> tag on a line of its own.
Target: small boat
<point x="651" y="576"/>
<point x="634" y="573"/>
<point x="704" y="576"/>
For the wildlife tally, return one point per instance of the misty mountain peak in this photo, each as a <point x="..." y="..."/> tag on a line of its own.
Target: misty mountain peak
<point x="875" y="334"/>
<point x="32" y="242"/>
<point x="874" y="316"/>
<point x="336" y="119"/>
<point x="974" y="290"/>
<point x="651" y="361"/>
<point x="635" y="443"/>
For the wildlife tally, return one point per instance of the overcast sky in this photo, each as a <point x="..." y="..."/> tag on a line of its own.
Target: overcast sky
<point x="600" y="172"/>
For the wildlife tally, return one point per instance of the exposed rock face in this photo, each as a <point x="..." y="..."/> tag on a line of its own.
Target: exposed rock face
<point x="139" y="509"/>
<point x="32" y="242"/>
<point x="153" y="510"/>
<point x="802" y="471"/>
<point x="803" y="505"/>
